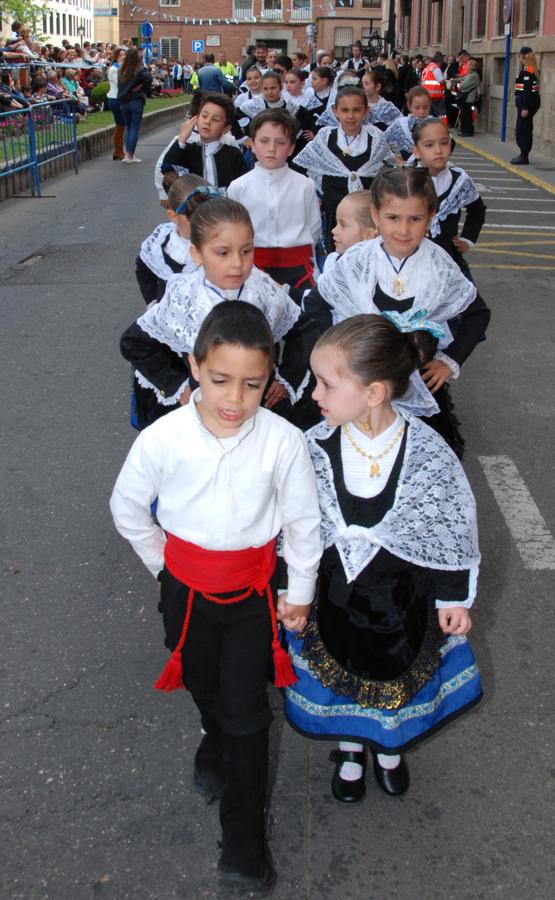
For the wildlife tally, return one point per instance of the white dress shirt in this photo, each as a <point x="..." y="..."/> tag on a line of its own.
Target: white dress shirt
<point x="222" y="494"/>
<point x="282" y="204"/>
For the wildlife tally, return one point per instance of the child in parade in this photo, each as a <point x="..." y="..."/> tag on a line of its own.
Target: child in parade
<point x="282" y="203"/>
<point x="165" y="252"/>
<point x="251" y="87"/>
<point x="270" y="98"/>
<point x="399" y="134"/>
<point x="402" y="270"/>
<point x="381" y="112"/>
<point x="346" y="158"/>
<point x="229" y="476"/>
<point x="159" y="342"/>
<point x="354" y="224"/>
<point x="215" y="161"/>
<point x="294" y="87"/>
<point x="455" y="191"/>
<point x="384" y="660"/>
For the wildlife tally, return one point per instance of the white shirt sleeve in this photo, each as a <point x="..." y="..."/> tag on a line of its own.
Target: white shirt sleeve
<point x="135" y="489"/>
<point x="313" y="214"/>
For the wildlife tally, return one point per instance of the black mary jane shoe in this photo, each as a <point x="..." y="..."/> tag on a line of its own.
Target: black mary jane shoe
<point x="348" y="791"/>
<point x="208" y="769"/>
<point x="393" y="781"/>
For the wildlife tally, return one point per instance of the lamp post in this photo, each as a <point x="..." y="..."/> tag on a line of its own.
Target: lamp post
<point x="81" y="31"/>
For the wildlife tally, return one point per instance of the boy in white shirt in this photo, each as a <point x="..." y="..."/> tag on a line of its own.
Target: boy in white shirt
<point x="229" y="477"/>
<point x="282" y="204"/>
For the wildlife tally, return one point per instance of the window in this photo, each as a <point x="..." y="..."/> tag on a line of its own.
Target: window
<point x="429" y="22"/>
<point x="371" y="4"/>
<point x="532" y="16"/>
<point x="419" y="26"/>
<point x="64" y="24"/>
<point x="481" y="15"/>
<point x="170" y="2"/>
<point x="242" y="9"/>
<point x="344" y="3"/>
<point x="500" y="24"/>
<point x="271" y="9"/>
<point x="343" y="39"/>
<point x="439" y="22"/>
<point x="57" y="23"/>
<point x="169" y="48"/>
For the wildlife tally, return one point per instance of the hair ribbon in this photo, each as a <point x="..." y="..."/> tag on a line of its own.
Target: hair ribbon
<point x="414" y="320"/>
<point x="207" y="190"/>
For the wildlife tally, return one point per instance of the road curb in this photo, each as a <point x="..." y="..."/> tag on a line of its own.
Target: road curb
<point x="515" y="170"/>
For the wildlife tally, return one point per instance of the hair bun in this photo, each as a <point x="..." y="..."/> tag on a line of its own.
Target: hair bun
<point x="424" y="346"/>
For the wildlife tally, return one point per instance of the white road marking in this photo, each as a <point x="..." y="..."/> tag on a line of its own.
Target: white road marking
<point x="525" y="212"/>
<point x="534" y="541"/>
<point x="528" y="199"/>
<point x="520" y="227"/>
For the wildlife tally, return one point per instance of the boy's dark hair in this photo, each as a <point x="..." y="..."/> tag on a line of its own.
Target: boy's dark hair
<point x="351" y="90"/>
<point x="168" y="179"/>
<point x="271" y="74"/>
<point x="285" y="61"/>
<point x="376" y="351"/>
<point x="404" y="183"/>
<point x="210" y="215"/>
<point x="325" y="72"/>
<point x="417" y="91"/>
<point x="181" y="188"/>
<point x="225" y="103"/>
<point x="237" y="323"/>
<point x="279" y="117"/>
<point x="195" y="103"/>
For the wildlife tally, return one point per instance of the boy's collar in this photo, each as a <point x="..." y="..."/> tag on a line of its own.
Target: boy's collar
<point x="274" y="174"/>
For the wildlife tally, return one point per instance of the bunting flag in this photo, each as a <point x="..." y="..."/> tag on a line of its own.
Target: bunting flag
<point x="190" y="20"/>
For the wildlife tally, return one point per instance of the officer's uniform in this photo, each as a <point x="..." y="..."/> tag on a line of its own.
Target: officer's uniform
<point x="527" y="97"/>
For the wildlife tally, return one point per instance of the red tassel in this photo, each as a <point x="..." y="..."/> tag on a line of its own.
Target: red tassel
<point x="284" y="673"/>
<point x="171" y="678"/>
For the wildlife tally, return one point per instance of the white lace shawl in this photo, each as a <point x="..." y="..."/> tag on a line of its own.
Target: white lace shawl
<point x="257" y="104"/>
<point x="399" y="133"/>
<point x="442" y="290"/>
<point x="384" y="111"/>
<point x="176" y="320"/>
<point x="432" y="522"/>
<point x="152" y="254"/>
<point x="462" y="192"/>
<point x="318" y="159"/>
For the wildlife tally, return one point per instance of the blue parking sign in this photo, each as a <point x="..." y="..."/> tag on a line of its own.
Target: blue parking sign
<point x="147" y="29"/>
<point x="197" y="46"/>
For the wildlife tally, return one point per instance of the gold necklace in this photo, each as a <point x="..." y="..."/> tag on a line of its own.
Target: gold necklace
<point x="375" y="470"/>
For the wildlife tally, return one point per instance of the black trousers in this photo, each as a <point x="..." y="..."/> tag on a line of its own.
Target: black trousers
<point x="227" y="657"/>
<point x="466" y="123"/>
<point x="524" y="131"/>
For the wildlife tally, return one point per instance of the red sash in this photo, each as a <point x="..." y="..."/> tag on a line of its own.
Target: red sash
<point x="211" y="572"/>
<point x="286" y="258"/>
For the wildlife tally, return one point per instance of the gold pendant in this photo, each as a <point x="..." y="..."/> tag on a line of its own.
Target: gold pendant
<point x="374" y="469"/>
<point x="345" y="152"/>
<point x="398" y="286"/>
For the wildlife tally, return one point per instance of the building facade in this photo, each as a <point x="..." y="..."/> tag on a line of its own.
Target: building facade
<point x="106" y="21"/>
<point x="71" y="20"/>
<point x="425" y="26"/>
<point x="232" y="25"/>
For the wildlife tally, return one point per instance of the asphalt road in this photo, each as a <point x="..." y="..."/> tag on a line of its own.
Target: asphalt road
<point x="96" y="785"/>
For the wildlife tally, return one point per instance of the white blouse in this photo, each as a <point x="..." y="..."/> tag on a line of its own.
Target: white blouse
<point x="356" y="467"/>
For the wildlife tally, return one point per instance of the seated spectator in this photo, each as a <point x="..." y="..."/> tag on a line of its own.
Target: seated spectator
<point x="8" y="88"/>
<point x="71" y="84"/>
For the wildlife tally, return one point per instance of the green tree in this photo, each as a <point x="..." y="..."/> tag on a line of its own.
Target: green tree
<point x="25" y="11"/>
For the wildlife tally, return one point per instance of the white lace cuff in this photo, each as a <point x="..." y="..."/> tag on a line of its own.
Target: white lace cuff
<point x="444" y="358"/>
<point x="452" y="604"/>
<point x="161" y="397"/>
<point x="294" y="396"/>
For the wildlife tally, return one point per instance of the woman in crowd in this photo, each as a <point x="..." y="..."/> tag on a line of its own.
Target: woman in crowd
<point x="134" y="83"/>
<point x="118" y="57"/>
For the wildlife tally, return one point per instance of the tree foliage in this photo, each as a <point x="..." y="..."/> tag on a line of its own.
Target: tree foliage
<point x="25" y="11"/>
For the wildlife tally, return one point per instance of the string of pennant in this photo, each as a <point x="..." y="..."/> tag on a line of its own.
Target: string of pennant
<point x="190" y="20"/>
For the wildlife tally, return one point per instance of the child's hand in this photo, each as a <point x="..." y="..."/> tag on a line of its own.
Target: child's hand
<point x="293" y="617"/>
<point x="454" y="620"/>
<point x="308" y="135"/>
<point x="248" y="144"/>
<point x="185" y="396"/>
<point x="435" y="374"/>
<point x="186" y="129"/>
<point x="461" y="246"/>
<point x="275" y="394"/>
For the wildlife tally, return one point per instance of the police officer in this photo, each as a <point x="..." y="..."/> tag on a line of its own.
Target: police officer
<point x="527" y="99"/>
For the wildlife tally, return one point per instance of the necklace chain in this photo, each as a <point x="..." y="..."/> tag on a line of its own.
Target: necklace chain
<point x="375" y="470"/>
<point x="398" y="283"/>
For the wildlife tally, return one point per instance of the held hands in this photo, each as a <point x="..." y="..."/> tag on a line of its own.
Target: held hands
<point x="454" y="620"/>
<point x="186" y="129"/>
<point x="461" y="246"/>
<point x="185" y="396"/>
<point x="435" y="374"/>
<point x="275" y="394"/>
<point x="293" y="617"/>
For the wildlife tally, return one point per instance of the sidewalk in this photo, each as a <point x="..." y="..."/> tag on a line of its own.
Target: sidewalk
<point x="541" y="170"/>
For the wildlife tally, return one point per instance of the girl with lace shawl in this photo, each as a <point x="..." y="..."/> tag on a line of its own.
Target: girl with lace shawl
<point x="159" y="342"/>
<point x="399" y="134"/>
<point x="455" y="191"/>
<point x="165" y="252"/>
<point x="401" y="270"/>
<point x="346" y="158"/>
<point x="381" y="112"/>
<point x="384" y="660"/>
<point x="269" y="98"/>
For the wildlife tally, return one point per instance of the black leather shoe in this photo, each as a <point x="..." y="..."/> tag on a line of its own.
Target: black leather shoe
<point x="244" y="880"/>
<point x="208" y="768"/>
<point x="348" y="791"/>
<point x="393" y="781"/>
<point x="521" y="160"/>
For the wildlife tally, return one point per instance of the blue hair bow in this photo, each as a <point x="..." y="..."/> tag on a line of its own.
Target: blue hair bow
<point x="207" y="190"/>
<point x="414" y="320"/>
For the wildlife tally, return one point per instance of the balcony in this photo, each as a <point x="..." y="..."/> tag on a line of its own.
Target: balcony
<point x="242" y="9"/>
<point x="301" y="11"/>
<point x="271" y="9"/>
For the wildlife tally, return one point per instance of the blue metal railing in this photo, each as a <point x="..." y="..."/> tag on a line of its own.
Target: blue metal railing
<point x="31" y="138"/>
